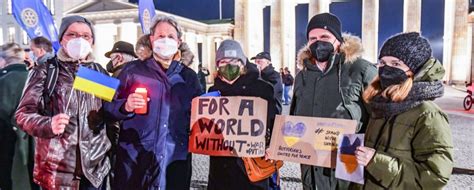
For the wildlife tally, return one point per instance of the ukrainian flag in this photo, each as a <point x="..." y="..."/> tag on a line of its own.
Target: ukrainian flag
<point x="96" y="83"/>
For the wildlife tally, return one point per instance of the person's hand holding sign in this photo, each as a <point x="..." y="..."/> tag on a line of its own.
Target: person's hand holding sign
<point x="364" y="155"/>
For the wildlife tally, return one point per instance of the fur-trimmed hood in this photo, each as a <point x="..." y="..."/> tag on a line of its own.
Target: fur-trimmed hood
<point x="186" y="54"/>
<point x="351" y="48"/>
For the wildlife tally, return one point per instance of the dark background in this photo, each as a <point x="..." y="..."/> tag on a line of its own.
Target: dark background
<point x="348" y="11"/>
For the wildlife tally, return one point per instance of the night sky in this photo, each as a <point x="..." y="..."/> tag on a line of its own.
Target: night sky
<point x="350" y="13"/>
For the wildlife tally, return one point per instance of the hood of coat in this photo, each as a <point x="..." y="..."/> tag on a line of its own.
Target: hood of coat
<point x="431" y="71"/>
<point x="351" y="49"/>
<point x="186" y="54"/>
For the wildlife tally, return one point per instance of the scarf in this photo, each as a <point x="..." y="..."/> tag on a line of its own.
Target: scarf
<point x="421" y="91"/>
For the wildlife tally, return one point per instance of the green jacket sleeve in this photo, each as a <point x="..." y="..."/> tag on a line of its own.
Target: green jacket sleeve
<point x="432" y="157"/>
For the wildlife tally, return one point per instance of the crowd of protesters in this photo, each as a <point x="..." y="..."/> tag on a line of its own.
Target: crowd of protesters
<point x="65" y="139"/>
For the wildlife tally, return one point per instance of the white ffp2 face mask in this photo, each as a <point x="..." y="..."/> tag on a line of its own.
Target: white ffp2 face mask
<point x="165" y="47"/>
<point x="78" y="48"/>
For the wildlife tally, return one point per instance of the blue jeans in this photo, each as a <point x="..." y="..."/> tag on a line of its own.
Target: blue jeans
<point x="286" y="94"/>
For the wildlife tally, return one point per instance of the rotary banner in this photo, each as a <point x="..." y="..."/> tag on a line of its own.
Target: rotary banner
<point x="146" y="12"/>
<point x="34" y="17"/>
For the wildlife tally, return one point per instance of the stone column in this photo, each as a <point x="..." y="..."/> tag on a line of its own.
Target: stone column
<point x="105" y="32"/>
<point x="208" y="55"/>
<point x="282" y="34"/>
<point x="239" y="17"/>
<point x="276" y="34"/>
<point x="411" y="15"/>
<point x="318" y="6"/>
<point x="457" y="42"/>
<point x="254" y="28"/>
<point x="128" y="31"/>
<point x="370" y="23"/>
<point x="249" y="25"/>
<point x="288" y="25"/>
<point x="214" y="43"/>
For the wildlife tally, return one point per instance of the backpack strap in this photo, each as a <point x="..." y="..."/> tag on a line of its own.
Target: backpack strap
<point x="50" y="83"/>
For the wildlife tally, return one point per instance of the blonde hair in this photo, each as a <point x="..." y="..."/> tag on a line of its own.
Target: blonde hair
<point x="396" y="93"/>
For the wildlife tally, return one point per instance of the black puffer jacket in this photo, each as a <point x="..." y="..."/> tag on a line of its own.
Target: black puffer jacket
<point x="56" y="157"/>
<point x="229" y="172"/>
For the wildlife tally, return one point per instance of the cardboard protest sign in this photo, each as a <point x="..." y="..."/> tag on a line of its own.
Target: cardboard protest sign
<point x="308" y="140"/>
<point x="228" y="126"/>
<point x="347" y="167"/>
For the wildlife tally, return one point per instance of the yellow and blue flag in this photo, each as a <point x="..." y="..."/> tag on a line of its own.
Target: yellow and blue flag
<point x="96" y="83"/>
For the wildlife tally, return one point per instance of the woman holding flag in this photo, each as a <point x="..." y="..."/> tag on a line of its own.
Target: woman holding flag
<point x="71" y="142"/>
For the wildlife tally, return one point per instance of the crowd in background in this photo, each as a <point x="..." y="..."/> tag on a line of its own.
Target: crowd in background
<point x="54" y="137"/>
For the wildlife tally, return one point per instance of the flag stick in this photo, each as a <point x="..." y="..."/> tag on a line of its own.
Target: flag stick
<point x="69" y="99"/>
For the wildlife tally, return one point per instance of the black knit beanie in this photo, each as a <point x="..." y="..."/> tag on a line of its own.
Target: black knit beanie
<point x="413" y="49"/>
<point x="325" y="21"/>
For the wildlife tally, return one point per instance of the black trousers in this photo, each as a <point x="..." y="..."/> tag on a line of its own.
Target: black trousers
<point x="178" y="174"/>
<point x="7" y="151"/>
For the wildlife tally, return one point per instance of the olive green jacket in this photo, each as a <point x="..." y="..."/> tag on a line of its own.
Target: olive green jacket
<point x="415" y="150"/>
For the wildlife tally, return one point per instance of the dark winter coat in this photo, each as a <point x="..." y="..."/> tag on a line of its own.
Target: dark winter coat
<point x="202" y="79"/>
<point x="144" y="145"/>
<point x="184" y="87"/>
<point x="229" y="172"/>
<point x="12" y="81"/>
<point x="334" y="93"/>
<point x="57" y="161"/>
<point x="270" y="75"/>
<point x="287" y="79"/>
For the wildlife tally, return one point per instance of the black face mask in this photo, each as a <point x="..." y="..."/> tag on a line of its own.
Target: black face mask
<point x="321" y="50"/>
<point x="391" y="76"/>
<point x="110" y="67"/>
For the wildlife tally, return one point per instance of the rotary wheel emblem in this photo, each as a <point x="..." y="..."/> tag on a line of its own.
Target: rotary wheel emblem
<point x="29" y="17"/>
<point x="146" y="19"/>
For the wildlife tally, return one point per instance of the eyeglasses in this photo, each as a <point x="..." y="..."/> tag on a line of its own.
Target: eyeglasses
<point x="71" y="35"/>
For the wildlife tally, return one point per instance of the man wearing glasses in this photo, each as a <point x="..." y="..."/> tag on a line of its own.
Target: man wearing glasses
<point x="71" y="144"/>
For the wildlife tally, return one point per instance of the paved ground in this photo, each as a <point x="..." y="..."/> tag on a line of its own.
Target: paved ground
<point x="462" y="123"/>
